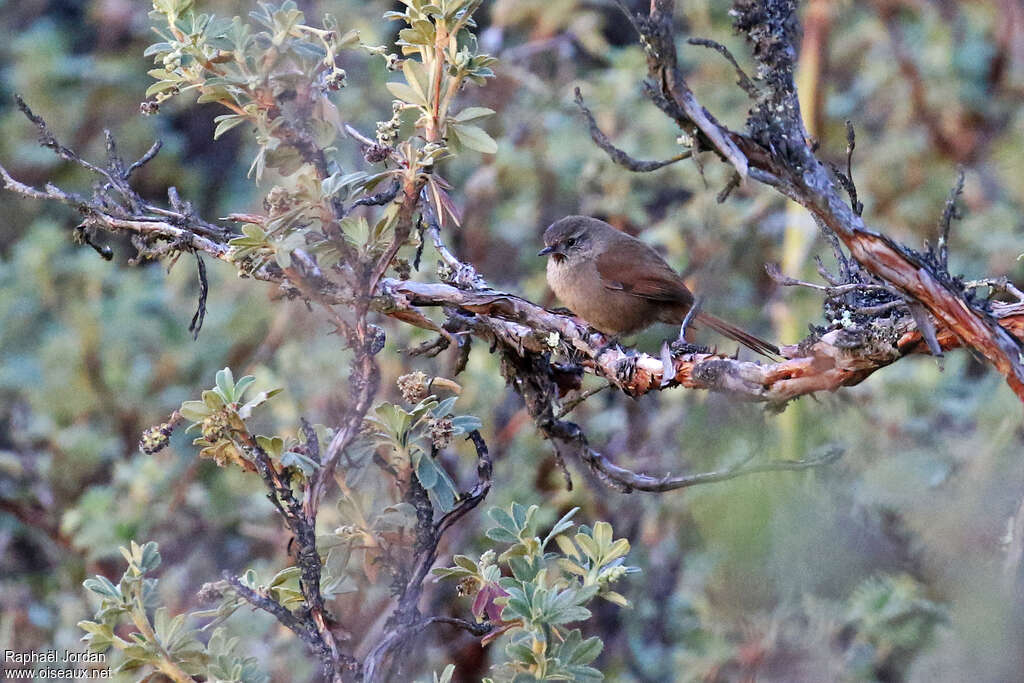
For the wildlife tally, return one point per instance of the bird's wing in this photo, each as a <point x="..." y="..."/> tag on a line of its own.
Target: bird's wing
<point x="640" y="271"/>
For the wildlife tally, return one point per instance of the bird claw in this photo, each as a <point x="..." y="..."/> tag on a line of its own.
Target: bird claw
<point x="683" y="347"/>
<point x="611" y="343"/>
<point x="625" y="369"/>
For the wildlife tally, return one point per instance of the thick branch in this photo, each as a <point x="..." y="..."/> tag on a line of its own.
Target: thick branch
<point x="820" y="364"/>
<point x="533" y="379"/>
<point x="779" y="155"/>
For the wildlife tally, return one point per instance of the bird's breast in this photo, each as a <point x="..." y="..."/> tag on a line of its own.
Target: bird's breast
<point x="580" y="287"/>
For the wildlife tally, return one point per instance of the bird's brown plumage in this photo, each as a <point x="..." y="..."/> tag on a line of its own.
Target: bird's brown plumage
<point x="620" y="285"/>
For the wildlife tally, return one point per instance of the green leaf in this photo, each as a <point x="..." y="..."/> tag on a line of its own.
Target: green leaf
<point x="412" y="36"/>
<point x="246" y="410"/>
<point x="451" y="573"/>
<point x="284" y="576"/>
<point x="522" y="569"/>
<point x="444" y="491"/>
<point x="303" y="462"/>
<point x="159" y="87"/>
<point x="617" y="598"/>
<point x="567" y="547"/>
<point x="195" y="411"/>
<point x="226" y="122"/>
<point x="243" y="384"/>
<point x="446" y="674"/>
<point x="164" y="74"/>
<point x="603" y="535"/>
<point x="587" y="545"/>
<point x="560" y="526"/>
<point x="521" y="653"/>
<point x="587" y="651"/>
<point x="618" y="549"/>
<point x="405" y="93"/>
<point x="150" y="557"/>
<point x="161" y="624"/>
<point x="213" y="399"/>
<point x="519" y="516"/>
<point x="215" y="95"/>
<point x="473" y="114"/>
<point x="444" y="407"/>
<point x="503" y="519"/>
<point x="101" y="585"/>
<point x="466" y="563"/>
<point x="416" y="76"/>
<point x="157" y="48"/>
<point x="516" y="608"/>
<point x="568" y="565"/>
<point x="568" y="615"/>
<point x="474" y="138"/>
<point x="501" y="535"/>
<point x="426" y="470"/>
<point x="273" y="445"/>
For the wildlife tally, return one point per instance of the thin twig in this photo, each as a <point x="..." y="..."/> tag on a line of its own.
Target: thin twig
<point x="998" y="284"/>
<point x="744" y="81"/>
<point x="145" y="158"/>
<point x="634" y="481"/>
<point x="280" y="612"/>
<point x="851" y="186"/>
<point x="476" y="629"/>
<point x="571" y="405"/>
<point x="734" y="182"/>
<point x="831" y="291"/>
<point x="617" y="155"/>
<point x="204" y="290"/>
<point x="949" y="212"/>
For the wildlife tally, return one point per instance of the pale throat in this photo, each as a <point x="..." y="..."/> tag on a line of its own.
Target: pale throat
<point x="568" y="281"/>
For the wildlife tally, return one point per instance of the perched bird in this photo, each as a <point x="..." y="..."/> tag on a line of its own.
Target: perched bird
<point x="620" y="285"/>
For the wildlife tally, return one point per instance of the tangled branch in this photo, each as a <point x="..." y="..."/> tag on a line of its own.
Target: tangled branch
<point x="775" y="151"/>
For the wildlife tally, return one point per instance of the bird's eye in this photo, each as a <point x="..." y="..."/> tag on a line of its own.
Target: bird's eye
<point x="571" y="242"/>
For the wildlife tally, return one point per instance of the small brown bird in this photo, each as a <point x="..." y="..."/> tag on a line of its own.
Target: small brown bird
<point x="620" y="285"/>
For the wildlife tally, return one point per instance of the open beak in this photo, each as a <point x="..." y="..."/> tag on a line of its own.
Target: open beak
<point x="546" y="250"/>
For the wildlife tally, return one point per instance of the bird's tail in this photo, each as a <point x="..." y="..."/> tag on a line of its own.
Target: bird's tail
<point x="732" y="332"/>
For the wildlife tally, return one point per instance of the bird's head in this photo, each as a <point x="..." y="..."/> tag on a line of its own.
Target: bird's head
<point x="570" y="238"/>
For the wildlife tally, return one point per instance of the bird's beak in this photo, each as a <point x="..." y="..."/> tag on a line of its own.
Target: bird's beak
<point x="545" y="251"/>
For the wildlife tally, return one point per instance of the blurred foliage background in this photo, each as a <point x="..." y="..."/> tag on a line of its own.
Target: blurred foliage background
<point x="897" y="563"/>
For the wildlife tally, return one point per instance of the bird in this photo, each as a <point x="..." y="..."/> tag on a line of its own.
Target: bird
<point x="620" y="285"/>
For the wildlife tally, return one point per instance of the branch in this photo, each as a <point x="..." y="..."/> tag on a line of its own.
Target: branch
<point x="742" y="79"/>
<point x="474" y="628"/>
<point x="779" y="155"/>
<point x="670" y="91"/>
<point x="303" y="527"/>
<point x="840" y="357"/>
<point x="617" y="155"/>
<point x="825" y="363"/>
<point x="630" y="481"/>
<point x="532" y="378"/>
<point x="406" y="622"/>
<point x="949" y="212"/>
<point x="280" y="612"/>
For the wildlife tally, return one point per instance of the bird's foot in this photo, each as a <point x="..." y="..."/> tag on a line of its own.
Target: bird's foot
<point x="683" y="347"/>
<point x="625" y="369"/>
<point x="610" y="343"/>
